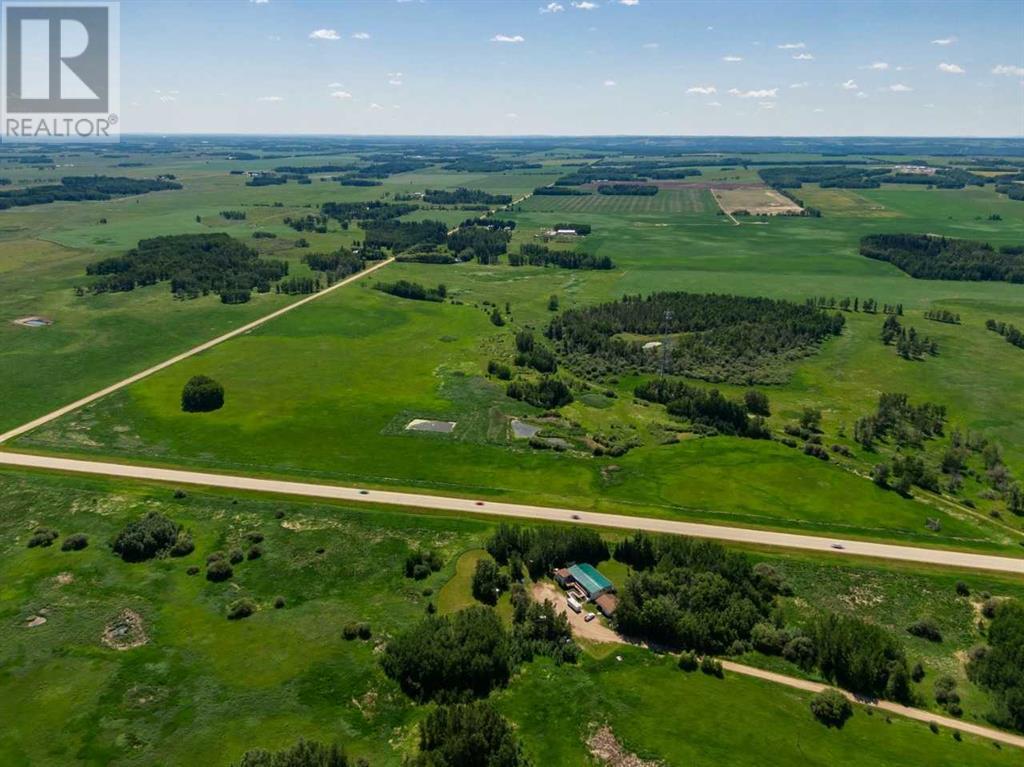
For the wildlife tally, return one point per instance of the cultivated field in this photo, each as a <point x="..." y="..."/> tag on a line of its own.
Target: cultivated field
<point x="757" y="201"/>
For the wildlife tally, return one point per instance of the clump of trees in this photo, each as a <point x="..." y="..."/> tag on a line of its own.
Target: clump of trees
<point x="195" y="264"/>
<point x="421" y="563"/>
<point x="999" y="667"/>
<point x="910" y="345"/>
<point x="76" y="188"/>
<point x="717" y="337"/>
<point x="479" y="242"/>
<point x="152" y="535"/>
<point x="241" y="608"/>
<point x="1011" y="333"/>
<point x="413" y="290"/>
<point x="539" y="629"/>
<point x="202" y="394"/>
<point x="862" y="657"/>
<point x="489" y="582"/>
<point x="403" y="235"/>
<point x="532" y="254"/>
<point x="305" y="753"/>
<point x="531" y="354"/>
<point x="689" y="594"/>
<point x="942" y="315"/>
<point x="346" y="212"/>
<point x="628" y="190"/>
<point x="543" y="550"/>
<point x="233" y="215"/>
<point x="75" y="542"/>
<point x="706" y="407"/>
<point x="449" y="658"/>
<point x="466" y="735"/>
<point x="945" y="258"/>
<point x="548" y="393"/>
<point x="42" y="537"/>
<point x="464" y="196"/>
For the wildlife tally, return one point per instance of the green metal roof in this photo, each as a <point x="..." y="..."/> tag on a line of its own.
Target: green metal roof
<point x="589" y="578"/>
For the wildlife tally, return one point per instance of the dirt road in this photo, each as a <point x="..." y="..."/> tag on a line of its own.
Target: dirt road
<point x="595" y="630"/>
<point x="820" y="544"/>
<point x="6" y="436"/>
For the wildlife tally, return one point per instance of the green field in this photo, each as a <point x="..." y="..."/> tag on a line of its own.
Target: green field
<point x="203" y="688"/>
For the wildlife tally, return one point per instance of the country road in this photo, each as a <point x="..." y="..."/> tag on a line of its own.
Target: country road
<point x="835" y="546"/>
<point x="52" y="416"/>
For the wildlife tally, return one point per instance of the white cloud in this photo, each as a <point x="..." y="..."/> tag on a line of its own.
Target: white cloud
<point x="732" y="58"/>
<point x="394" y="81"/>
<point x="375" y="106"/>
<point x="553" y="8"/>
<point x="944" y="41"/>
<point x="270" y="98"/>
<point x="629" y="2"/>
<point x="714" y="104"/>
<point x="861" y="95"/>
<point x="953" y="69"/>
<point x="167" y="99"/>
<point x="849" y="85"/>
<point x="1008" y="70"/>
<point x="335" y="85"/>
<point x="878" y="66"/>
<point x="259" y="2"/>
<point x="584" y="5"/>
<point x="512" y="116"/>
<point x="609" y="83"/>
<point x="765" y="93"/>
<point x="703" y="90"/>
<point x="508" y="39"/>
<point x="900" y="88"/>
<point x="395" y="74"/>
<point x="803" y="57"/>
<point x="818" y="109"/>
<point x="651" y="46"/>
<point x="766" y="104"/>
<point x="791" y="46"/>
<point x="324" y="34"/>
<point x="799" y="85"/>
<point x="341" y="95"/>
<point x="361" y="36"/>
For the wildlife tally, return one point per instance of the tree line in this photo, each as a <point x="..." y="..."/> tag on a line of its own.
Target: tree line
<point x="945" y="258"/>
<point x="1011" y="333"/>
<point x="708" y="407"/>
<point x="540" y="255"/>
<point x="78" y="188"/>
<point x="462" y="195"/>
<point x="628" y="190"/>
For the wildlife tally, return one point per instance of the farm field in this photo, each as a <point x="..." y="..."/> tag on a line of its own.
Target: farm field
<point x="756" y="201"/>
<point x="199" y="684"/>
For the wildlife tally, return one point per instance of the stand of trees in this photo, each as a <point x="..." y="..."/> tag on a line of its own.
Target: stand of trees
<point x="689" y="594"/>
<point x="467" y="735"/>
<point x="628" y="190"/>
<point x="943" y="258"/>
<point x="547" y="393"/>
<point x="942" y="315"/>
<point x="412" y="290"/>
<point x="195" y="264"/>
<point x="727" y="338"/>
<point x="910" y="345"/>
<point x="462" y="195"/>
<point x="897" y="418"/>
<point x="543" y="550"/>
<point x="305" y="753"/>
<point x="708" y="408"/>
<point x="346" y="212"/>
<point x="483" y="164"/>
<point x="559" y="191"/>
<point x="540" y="255"/>
<point x="999" y="667"/>
<point x="403" y="235"/>
<point x="153" y="535"/>
<point x="337" y="265"/>
<point x="862" y="657"/>
<point x="478" y="242"/>
<point x="75" y="188"/>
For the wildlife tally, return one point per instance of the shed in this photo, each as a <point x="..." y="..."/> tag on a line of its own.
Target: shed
<point x="607" y="604"/>
<point x="590" y="580"/>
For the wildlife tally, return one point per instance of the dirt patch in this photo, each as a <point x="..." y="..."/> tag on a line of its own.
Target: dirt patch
<point x="605" y="747"/>
<point x="757" y="201"/>
<point x="424" y="424"/>
<point x="63" y="579"/>
<point x="33" y="321"/>
<point x="595" y="630"/>
<point x="35" y="620"/>
<point x="125" y="631"/>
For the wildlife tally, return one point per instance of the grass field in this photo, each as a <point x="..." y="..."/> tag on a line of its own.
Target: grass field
<point x="203" y="688"/>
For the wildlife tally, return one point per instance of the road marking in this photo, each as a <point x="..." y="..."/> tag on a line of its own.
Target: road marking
<point x="820" y="544"/>
<point x="18" y="431"/>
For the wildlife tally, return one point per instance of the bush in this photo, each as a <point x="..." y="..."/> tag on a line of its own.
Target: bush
<point x="151" y="536"/>
<point x="42" y="537"/>
<point x="800" y="650"/>
<point x="279" y="603"/>
<point x="193" y="570"/>
<point x="945" y="691"/>
<point x="925" y="628"/>
<point x="241" y="608"/>
<point x="711" y="667"/>
<point x="255" y="552"/>
<point x="75" y="542"/>
<point x="831" y="708"/>
<point x="421" y="563"/>
<point x="235" y="556"/>
<point x="183" y="546"/>
<point x="219" y="570"/>
<point x="201" y="395"/>
<point x="688" y="661"/>
<point x="350" y="631"/>
<point x="254" y="537"/>
<point x="962" y="589"/>
<point x="363" y="630"/>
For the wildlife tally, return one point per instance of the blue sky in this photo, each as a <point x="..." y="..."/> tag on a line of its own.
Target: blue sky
<point x="585" y="67"/>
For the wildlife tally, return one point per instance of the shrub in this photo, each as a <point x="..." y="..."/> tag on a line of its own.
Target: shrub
<point x="75" y="542"/>
<point x="278" y="603"/>
<point x="241" y="608"/>
<point x="255" y="552"/>
<point x="350" y="631"/>
<point x="254" y="537"/>
<point x="831" y="708"/>
<point x="925" y="628"/>
<point x="988" y="607"/>
<point x="688" y="661"/>
<point x="219" y="570"/>
<point x="945" y="691"/>
<point x="363" y="630"/>
<point x="42" y="537"/>
<point x="917" y="672"/>
<point x="151" y="536"/>
<point x="800" y="650"/>
<point x="421" y="562"/>
<point x="201" y="395"/>
<point x="183" y="546"/>
<point x="193" y="570"/>
<point x="179" y="494"/>
<point x="235" y="556"/>
<point x="711" y="667"/>
<point x="962" y="589"/>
